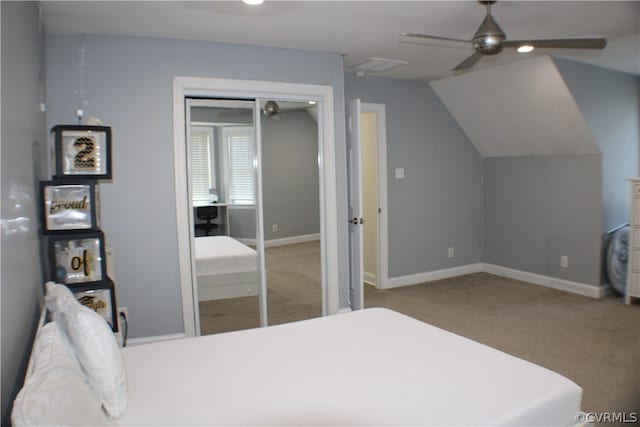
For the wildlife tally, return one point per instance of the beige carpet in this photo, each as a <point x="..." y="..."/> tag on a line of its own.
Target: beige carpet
<point x="594" y="342"/>
<point x="294" y="293"/>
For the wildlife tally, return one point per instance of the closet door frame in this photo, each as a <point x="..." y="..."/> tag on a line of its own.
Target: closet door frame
<point x="184" y="87"/>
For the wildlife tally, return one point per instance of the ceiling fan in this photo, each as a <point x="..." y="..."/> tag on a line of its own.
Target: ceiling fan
<point x="271" y="110"/>
<point x="489" y="39"/>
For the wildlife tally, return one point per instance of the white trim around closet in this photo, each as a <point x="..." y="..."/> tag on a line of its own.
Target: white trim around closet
<point x="231" y="88"/>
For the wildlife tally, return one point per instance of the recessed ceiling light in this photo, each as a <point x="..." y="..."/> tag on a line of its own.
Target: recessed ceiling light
<point x="253" y="2"/>
<point x="312" y="102"/>
<point x="525" y="48"/>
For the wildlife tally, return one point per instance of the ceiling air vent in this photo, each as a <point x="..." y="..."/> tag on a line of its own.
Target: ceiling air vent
<point x="377" y="65"/>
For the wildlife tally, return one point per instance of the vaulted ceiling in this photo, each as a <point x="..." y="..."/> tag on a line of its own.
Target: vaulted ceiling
<point x="521" y="109"/>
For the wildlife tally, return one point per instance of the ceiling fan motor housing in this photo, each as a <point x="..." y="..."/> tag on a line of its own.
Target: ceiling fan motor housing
<point x="271" y="109"/>
<point x="489" y="37"/>
<point x="488" y="45"/>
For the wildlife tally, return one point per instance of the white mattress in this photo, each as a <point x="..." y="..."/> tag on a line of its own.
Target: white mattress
<point x="223" y="255"/>
<point x="373" y="366"/>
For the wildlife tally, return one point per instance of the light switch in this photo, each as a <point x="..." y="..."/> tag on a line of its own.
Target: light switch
<point x="399" y="173"/>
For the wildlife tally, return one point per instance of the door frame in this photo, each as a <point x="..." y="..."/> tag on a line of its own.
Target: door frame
<point x="355" y="218"/>
<point x="383" y="218"/>
<point x="184" y="86"/>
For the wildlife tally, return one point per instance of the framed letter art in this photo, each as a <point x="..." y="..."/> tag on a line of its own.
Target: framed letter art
<point x="82" y="151"/>
<point x="76" y="259"/>
<point x="99" y="297"/>
<point x="68" y="206"/>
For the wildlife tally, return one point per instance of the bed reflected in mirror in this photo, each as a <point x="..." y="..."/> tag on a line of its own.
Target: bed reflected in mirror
<point x="223" y="192"/>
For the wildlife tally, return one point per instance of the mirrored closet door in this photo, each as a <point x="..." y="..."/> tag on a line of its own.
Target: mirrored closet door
<point x="255" y="211"/>
<point x="291" y="209"/>
<point x="222" y="147"/>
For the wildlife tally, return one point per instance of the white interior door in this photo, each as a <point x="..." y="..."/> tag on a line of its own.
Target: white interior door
<point x="356" y="288"/>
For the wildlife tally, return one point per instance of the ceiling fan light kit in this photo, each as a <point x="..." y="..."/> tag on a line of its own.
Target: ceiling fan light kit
<point x="489" y="39"/>
<point x="525" y="48"/>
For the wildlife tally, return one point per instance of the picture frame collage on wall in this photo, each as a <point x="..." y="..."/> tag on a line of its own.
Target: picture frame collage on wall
<point x="70" y="217"/>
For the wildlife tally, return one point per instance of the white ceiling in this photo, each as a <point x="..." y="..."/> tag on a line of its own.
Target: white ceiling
<point x="364" y="29"/>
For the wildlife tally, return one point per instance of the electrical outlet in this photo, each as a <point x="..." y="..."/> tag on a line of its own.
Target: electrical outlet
<point x="564" y="261"/>
<point x="451" y="252"/>
<point x="274" y="228"/>
<point x="124" y="310"/>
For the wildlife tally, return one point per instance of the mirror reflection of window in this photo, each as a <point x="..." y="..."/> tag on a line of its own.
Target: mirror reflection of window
<point x="203" y="178"/>
<point x="224" y="183"/>
<point x="240" y="148"/>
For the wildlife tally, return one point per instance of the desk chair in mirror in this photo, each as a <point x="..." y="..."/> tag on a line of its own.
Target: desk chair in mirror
<point x="207" y="214"/>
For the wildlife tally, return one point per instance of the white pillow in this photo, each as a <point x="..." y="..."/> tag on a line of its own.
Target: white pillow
<point x="56" y="392"/>
<point x="56" y="299"/>
<point x="99" y="355"/>
<point x="95" y="346"/>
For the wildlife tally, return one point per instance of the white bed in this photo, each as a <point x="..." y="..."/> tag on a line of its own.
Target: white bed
<point x="370" y="367"/>
<point x="226" y="268"/>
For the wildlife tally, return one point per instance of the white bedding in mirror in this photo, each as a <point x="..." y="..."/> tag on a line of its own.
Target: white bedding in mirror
<point x="226" y="268"/>
<point x="222" y="255"/>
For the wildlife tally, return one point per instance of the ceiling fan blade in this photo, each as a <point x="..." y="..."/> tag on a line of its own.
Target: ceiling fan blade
<point x="469" y="62"/>
<point x="426" y="36"/>
<point x="583" y="43"/>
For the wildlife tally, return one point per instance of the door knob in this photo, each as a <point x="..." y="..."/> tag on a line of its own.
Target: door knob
<point x="353" y="221"/>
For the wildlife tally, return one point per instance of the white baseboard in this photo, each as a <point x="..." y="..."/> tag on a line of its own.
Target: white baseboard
<point x="131" y="342"/>
<point x="414" y="279"/>
<point x="282" y="242"/>
<point x="370" y="278"/>
<point x="535" y="279"/>
<point x="547" y="281"/>
<point x="292" y="240"/>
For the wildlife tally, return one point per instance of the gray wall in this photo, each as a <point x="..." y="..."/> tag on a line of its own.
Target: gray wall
<point x="242" y="222"/>
<point x="290" y="175"/>
<point x="129" y="82"/>
<point x="438" y="203"/>
<point x="22" y="125"/>
<point x="538" y="208"/>
<point x="610" y="104"/>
